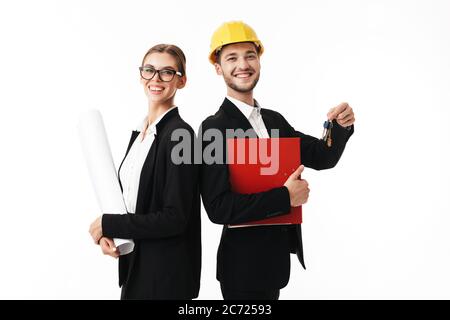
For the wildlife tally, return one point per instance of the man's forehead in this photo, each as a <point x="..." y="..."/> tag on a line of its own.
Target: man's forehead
<point x="241" y="47"/>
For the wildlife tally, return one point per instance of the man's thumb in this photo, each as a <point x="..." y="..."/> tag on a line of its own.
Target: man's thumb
<point x="296" y="174"/>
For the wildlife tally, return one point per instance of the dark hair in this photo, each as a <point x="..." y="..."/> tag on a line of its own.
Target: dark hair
<point x="174" y="51"/>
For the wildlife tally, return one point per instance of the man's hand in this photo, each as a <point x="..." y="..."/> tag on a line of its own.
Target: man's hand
<point x="343" y="114"/>
<point x="96" y="229"/>
<point x="298" y="189"/>
<point x="109" y="248"/>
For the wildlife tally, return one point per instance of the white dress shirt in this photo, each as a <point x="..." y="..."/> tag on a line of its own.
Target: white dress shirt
<point x="253" y="114"/>
<point x="130" y="172"/>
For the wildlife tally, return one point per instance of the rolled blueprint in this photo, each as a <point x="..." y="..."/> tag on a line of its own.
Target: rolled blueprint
<point x="101" y="168"/>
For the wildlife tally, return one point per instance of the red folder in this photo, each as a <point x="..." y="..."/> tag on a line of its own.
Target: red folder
<point x="253" y="168"/>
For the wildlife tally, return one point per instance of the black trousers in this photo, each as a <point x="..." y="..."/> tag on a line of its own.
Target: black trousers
<point x="233" y="294"/>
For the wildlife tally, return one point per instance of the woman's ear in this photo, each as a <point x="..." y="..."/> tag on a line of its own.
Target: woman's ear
<point x="181" y="82"/>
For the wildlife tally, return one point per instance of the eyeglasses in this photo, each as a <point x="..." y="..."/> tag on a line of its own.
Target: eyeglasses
<point x="164" y="75"/>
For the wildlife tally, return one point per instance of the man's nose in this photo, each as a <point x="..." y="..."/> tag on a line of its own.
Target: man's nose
<point x="243" y="64"/>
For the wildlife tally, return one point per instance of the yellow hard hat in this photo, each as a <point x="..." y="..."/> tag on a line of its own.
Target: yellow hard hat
<point x="232" y="32"/>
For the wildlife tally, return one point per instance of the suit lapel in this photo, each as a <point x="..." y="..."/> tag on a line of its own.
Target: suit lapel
<point x="269" y="122"/>
<point x="239" y="121"/>
<point x="134" y="135"/>
<point x="146" y="178"/>
<point x="148" y="169"/>
<point x="147" y="172"/>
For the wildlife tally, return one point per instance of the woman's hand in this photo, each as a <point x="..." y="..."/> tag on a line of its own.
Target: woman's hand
<point x="96" y="230"/>
<point x="109" y="248"/>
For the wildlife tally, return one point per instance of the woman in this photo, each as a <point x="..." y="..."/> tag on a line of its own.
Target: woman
<point x="162" y="193"/>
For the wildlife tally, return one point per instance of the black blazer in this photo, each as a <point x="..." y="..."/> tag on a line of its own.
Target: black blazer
<point x="166" y="260"/>
<point x="257" y="258"/>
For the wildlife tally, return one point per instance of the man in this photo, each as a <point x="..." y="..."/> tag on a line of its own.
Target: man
<point x="254" y="262"/>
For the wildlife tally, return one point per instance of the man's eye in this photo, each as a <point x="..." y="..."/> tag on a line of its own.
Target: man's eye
<point x="231" y="59"/>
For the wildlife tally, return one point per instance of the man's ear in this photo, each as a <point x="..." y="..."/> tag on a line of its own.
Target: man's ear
<point x="218" y="68"/>
<point x="181" y="82"/>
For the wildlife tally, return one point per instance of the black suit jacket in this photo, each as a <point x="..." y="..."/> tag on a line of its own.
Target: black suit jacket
<point x="166" y="260"/>
<point x="258" y="258"/>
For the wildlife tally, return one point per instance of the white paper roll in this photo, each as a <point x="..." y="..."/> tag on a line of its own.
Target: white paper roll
<point x="101" y="168"/>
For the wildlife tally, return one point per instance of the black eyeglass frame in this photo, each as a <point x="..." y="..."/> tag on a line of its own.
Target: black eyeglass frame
<point x="178" y="73"/>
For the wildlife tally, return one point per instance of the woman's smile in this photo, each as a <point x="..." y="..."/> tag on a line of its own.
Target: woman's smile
<point x="156" y="90"/>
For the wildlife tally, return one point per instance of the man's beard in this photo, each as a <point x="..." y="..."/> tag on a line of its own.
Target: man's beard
<point x="242" y="89"/>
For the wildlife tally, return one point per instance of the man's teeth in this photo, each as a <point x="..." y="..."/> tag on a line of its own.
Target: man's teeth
<point x="243" y="75"/>
<point x="156" y="89"/>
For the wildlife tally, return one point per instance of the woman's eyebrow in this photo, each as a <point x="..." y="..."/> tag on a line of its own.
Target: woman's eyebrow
<point x="163" y="68"/>
<point x="168" y="67"/>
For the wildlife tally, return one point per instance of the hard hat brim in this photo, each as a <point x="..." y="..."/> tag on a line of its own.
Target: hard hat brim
<point x="213" y="53"/>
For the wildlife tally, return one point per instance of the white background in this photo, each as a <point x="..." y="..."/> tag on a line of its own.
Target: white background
<point x="376" y="226"/>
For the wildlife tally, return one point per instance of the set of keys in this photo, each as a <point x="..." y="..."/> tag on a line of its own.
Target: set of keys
<point x="326" y="136"/>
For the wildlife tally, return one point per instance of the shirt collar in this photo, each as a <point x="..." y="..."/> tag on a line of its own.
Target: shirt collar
<point x="246" y="109"/>
<point x="152" y="128"/>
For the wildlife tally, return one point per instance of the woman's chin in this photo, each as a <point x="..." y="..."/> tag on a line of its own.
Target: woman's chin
<point x="156" y="98"/>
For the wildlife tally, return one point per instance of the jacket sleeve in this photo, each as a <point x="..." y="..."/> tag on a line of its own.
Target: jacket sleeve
<point x="224" y="206"/>
<point x="315" y="153"/>
<point x="180" y="188"/>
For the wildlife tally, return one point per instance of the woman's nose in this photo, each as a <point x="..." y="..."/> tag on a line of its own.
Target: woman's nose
<point x="157" y="77"/>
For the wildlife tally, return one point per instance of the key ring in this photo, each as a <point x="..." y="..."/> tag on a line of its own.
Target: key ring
<point x="326" y="136"/>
